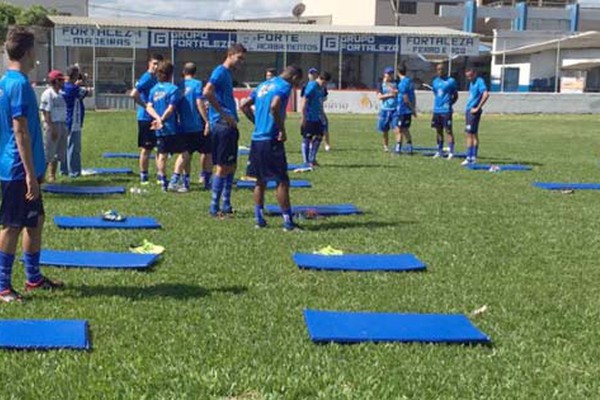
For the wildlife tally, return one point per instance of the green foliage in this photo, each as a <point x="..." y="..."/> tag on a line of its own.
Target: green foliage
<point x="11" y="15"/>
<point x="220" y="317"/>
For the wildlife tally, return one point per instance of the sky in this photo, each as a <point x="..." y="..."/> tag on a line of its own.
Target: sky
<point x="192" y="9"/>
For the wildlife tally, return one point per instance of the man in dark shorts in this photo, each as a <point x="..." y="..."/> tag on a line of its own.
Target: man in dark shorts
<point x="267" y="159"/>
<point x="22" y="168"/>
<point x="223" y="117"/>
<point x="140" y="94"/>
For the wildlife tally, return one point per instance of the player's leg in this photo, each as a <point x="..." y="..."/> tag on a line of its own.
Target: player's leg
<point x="314" y="149"/>
<point x="450" y="136"/>
<point x="436" y="124"/>
<point x="259" y="203"/>
<point x="11" y="212"/>
<point x="206" y="160"/>
<point x="398" y="134"/>
<point x="32" y="245"/>
<point x="232" y="141"/>
<point x="326" y="133"/>
<point x="146" y="142"/>
<point x="306" y="140"/>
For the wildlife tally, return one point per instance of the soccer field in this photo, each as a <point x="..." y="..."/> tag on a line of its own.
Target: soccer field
<point x="221" y="315"/>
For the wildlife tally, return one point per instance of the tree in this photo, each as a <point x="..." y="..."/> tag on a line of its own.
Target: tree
<point x="8" y="17"/>
<point x="11" y="15"/>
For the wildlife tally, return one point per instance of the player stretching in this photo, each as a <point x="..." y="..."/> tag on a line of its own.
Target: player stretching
<point x="193" y="122"/>
<point x="445" y="95"/>
<point x="140" y="94"/>
<point x="267" y="159"/>
<point x="311" y="121"/>
<point x="478" y="96"/>
<point x="223" y="126"/>
<point x="388" y="96"/>
<point x="406" y="110"/>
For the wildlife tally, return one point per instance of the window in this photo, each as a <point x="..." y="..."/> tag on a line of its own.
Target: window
<point x="510" y="79"/>
<point x="407" y="7"/>
<point x="440" y="4"/>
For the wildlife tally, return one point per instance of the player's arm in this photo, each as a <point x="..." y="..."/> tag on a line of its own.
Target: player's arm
<point x="303" y="109"/>
<point x="409" y="104"/>
<point x="23" y="141"/>
<point x="209" y="94"/>
<point x="201" y="106"/>
<point x="277" y="117"/>
<point x="46" y="116"/>
<point x="135" y="95"/>
<point x="246" y="108"/>
<point x="157" y="118"/>
<point x="484" y="98"/>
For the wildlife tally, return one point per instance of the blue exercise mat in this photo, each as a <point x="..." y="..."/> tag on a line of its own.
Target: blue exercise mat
<point x="44" y="334"/>
<point x="355" y="327"/>
<point x="499" y="167"/>
<point x="323" y="209"/>
<point x="445" y="154"/>
<point x="272" y="184"/>
<point x="106" y="171"/>
<point x="292" y="167"/>
<point x="243" y="152"/>
<point x="96" y="259"/>
<point x="122" y="155"/>
<point x="83" y="190"/>
<point x="422" y="148"/>
<point x="360" y="262"/>
<point x="99" y="223"/>
<point x="567" y="186"/>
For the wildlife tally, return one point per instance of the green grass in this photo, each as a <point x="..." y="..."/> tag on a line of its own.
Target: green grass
<point x="221" y="315"/>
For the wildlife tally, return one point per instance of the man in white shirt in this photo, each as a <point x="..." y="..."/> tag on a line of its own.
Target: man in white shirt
<point x="54" y="116"/>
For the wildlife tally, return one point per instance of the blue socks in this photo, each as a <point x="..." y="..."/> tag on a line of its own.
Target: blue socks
<point x="6" y="265"/>
<point x="186" y="180"/>
<point x="175" y="178"/>
<point x="144" y="176"/>
<point x="32" y="267"/>
<point x="314" y="149"/>
<point x="217" y="190"/>
<point x="227" y="193"/>
<point x="206" y="175"/>
<point x="440" y="145"/>
<point x="451" y="147"/>
<point x="259" y="215"/>
<point x="305" y="150"/>
<point x="398" y="148"/>
<point x="288" y="220"/>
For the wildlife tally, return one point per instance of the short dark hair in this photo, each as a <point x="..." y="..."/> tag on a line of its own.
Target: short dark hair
<point x="271" y="71"/>
<point x="19" y="40"/>
<point x="292" y="71"/>
<point x="164" y="72"/>
<point x="189" y="68"/>
<point x="471" y="67"/>
<point x="156" y="56"/>
<point x="236" y="48"/>
<point x="402" y="69"/>
<point x="326" y="76"/>
<point x="73" y="72"/>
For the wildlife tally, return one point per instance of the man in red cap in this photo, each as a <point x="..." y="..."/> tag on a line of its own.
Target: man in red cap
<point x="54" y="116"/>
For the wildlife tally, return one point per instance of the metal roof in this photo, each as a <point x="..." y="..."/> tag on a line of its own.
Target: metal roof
<point x="186" y="24"/>
<point x="586" y="40"/>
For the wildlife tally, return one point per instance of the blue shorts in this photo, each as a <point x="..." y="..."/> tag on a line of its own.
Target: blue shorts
<point x="224" y="144"/>
<point x="472" y="122"/>
<point x="267" y="161"/>
<point x="442" y="121"/>
<point x="16" y="211"/>
<point x="387" y="120"/>
<point x="405" y="121"/>
<point x="312" y="129"/>
<point x="171" y="144"/>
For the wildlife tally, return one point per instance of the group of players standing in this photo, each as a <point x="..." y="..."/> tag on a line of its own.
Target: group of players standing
<point x="398" y="106"/>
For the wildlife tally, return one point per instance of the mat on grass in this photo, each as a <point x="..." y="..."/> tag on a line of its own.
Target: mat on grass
<point x="44" y="334"/>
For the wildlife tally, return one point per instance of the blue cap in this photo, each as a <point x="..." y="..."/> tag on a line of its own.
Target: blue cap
<point x="388" y="70"/>
<point x="313" y="70"/>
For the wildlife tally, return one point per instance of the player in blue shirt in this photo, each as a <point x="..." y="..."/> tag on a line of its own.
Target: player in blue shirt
<point x="267" y="159"/>
<point x="445" y="92"/>
<point x="406" y="110"/>
<point x="162" y="107"/>
<point x="311" y="120"/>
<point x="140" y="94"/>
<point x="388" y="96"/>
<point x="478" y="96"/>
<point x="223" y="117"/>
<point x="193" y="122"/>
<point x="74" y="92"/>
<point x="22" y="168"/>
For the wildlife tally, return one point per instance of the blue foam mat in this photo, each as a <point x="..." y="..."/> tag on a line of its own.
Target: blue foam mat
<point x="272" y="184"/>
<point x="498" y="167"/>
<point x="65" y="222"/>
<point x="355" y="327"/>
<point x="96" y="259"/>
<point x="445" y="154"/>
<point x="322" y="209"/>
<point x="243" y="152"/>
<point x="360" y="262"/>
<point x="292" y="167"/>
<point x="106" y="171"/>
<point x="83" y="190"/>
<point x="122" y="155"/>
<point x="567" y="186"/>
<point x="422" y="148"/>
<point x="44" y="334"/>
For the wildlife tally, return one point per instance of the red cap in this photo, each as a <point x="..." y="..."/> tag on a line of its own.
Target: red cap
<point x="55" y="75"/>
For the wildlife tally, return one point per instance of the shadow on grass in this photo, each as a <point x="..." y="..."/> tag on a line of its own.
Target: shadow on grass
<point x="98" y="180"/>
<point x="176" y="291"/>
<point x="340" y="225"/>
<point x="501" y="161"/>
<point x="360" y="166"/>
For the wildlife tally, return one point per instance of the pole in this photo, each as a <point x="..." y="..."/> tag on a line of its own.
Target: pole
<point x="94" y="72"/>
<point x="134" y="57"/>
<point x="557" y="71"/>
<point x="51" y="48"/>
<point x="503" y="67"/>
<point x="340" y="64"/>
<point x="172" y="55"/>
<point x="396" y="55"/>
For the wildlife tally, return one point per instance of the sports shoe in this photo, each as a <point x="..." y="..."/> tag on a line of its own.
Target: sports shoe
<point x="291" y="227"/>
<point x="214" y="211"/>
<point x="327" y="147"/>
<point x="173" y="186"/>
<point x="146" y="248"/>
<point x="44" y="284"/>
<point x="228" y="210"/>
<point x="260" y="223"/>
<point x="183" y="189"/>
<point x="467" y="161"/>
<point x="450" y="156"/>
<point x="144" y="182"/>
<point x="386" y="149"/>
<point x="201" y="179"/>
<point x="113" y="216"/>
<point x="437" y="155"/>
<point x="10" y="295"/>
<point x="329" y="251"/>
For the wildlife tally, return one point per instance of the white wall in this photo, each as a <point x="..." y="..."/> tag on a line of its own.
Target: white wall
<point x="344" y="12"/>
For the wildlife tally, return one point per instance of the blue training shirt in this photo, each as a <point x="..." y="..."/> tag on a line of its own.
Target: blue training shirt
<point x="406" y="87"/>
<point x="143" y="86"/>
<point x="74" y="95"/>
<point x="264" y="122"/>
<point x="222" y="80"/>
<point x="313" y="93"/>
<point x="476" y="90"/>
<point x="163" y="95"/>
<point x="443" y="91"/>
<point x="190" y="120"/>
<point x="17" y="99"/>
<point x="391" y="103"/>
